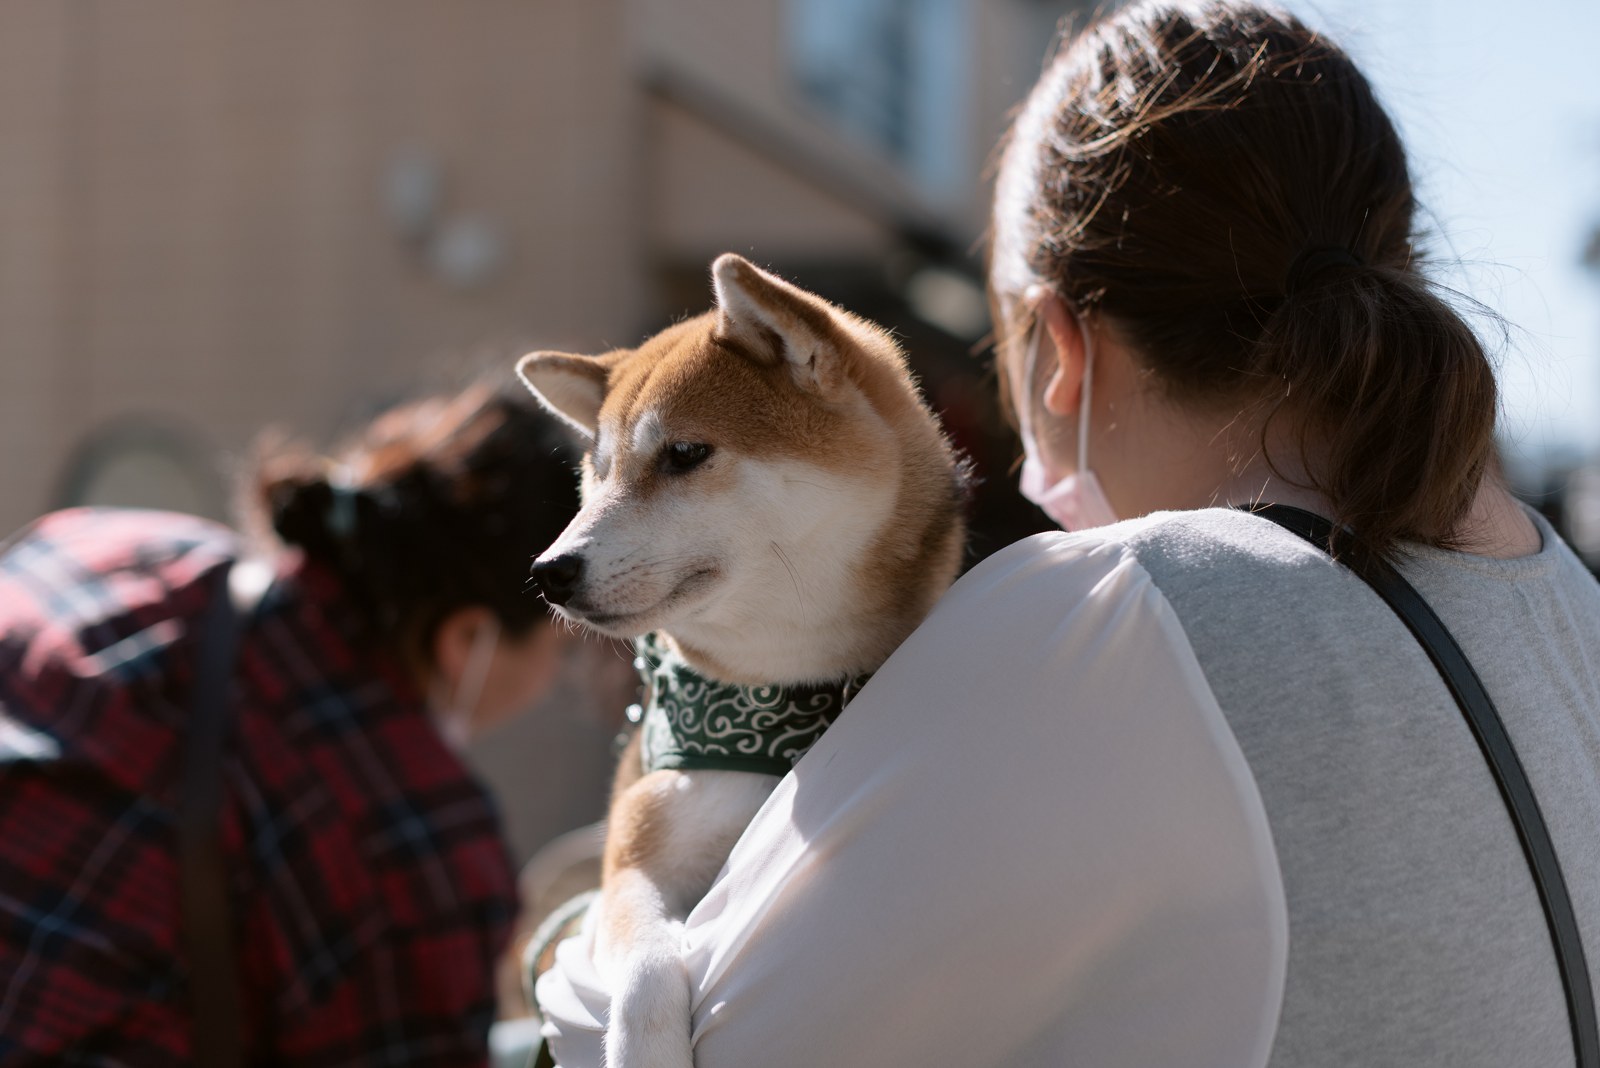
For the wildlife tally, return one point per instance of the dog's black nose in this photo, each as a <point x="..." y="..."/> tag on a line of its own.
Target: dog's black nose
<point x="559" y="578"/>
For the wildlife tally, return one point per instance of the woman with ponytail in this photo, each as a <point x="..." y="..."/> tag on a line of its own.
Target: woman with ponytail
<point x="1179" y="788"/>
<point x="350" y="892"/>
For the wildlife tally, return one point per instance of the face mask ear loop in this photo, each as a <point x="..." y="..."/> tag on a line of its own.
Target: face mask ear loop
<point x="476" y="672"/>
<point x="1083" y="401"/>
<point x="1029" y="368"/>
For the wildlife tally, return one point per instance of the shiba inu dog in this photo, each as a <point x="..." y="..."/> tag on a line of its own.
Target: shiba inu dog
<point x="767" y="496"/>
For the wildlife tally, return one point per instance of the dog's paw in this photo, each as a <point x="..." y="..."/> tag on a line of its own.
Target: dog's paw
<point x="624" y="1050"/>
<point x="649" y="1026"/>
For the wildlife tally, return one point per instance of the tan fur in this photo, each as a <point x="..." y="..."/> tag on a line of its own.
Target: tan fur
<point x="775" y="375"/>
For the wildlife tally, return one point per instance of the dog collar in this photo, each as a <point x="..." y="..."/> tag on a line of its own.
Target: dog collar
<point x="692" y="722"/>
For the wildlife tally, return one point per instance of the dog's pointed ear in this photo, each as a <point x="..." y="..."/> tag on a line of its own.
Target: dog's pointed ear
<point x="767" y="316"/>
<point x="572" y="387"/>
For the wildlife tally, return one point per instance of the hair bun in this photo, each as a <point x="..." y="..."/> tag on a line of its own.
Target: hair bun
<point x="300" y="510"/>
<point x="434" y="505"/>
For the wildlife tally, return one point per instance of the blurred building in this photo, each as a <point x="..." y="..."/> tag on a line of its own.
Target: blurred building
<point x="1566" y="490"/>
<point x="217" y="215"/>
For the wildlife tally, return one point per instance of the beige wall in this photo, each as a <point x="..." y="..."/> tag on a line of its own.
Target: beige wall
<point x="191" y="217"/>
<point x="711" y="193"/>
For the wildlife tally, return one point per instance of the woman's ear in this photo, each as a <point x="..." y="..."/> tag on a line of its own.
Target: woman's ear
<point x="1065" y="333"/>
<point x="453" y="642"/>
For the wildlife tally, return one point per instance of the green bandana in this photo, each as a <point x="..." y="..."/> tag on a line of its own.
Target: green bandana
<point x="692" y="722"/>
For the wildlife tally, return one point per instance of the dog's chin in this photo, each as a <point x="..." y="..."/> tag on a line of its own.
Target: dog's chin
<point x="690" y="592"/>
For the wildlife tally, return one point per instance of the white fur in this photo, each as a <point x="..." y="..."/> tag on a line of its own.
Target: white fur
<point x="795" y="536"/>
<point x="704" y="813"/>
<point x="784" y="547"/>
<point x="648" y="434"/>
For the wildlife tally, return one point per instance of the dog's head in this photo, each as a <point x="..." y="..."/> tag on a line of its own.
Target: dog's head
<point x="762" y="484"/>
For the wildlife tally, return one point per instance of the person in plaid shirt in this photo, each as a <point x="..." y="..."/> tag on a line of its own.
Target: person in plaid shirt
<point x="371" y="890"/>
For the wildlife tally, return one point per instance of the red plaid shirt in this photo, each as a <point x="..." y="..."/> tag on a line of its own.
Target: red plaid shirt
<point x="372" y="892"/>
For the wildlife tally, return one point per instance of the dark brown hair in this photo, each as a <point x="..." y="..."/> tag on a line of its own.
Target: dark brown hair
<point x="435" y="505"/>
<point x="1222" y="185"/>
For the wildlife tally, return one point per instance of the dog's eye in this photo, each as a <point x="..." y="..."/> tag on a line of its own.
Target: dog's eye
<point x="683" y="455"/>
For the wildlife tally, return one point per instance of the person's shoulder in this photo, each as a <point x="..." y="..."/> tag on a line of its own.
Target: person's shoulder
<point x="109" y="539"/>
<point x="1173" y="552"/>
<point x="1211" y="537"/>
<point x="1033" y="580"/>
<point x="93" y="601"/>
<point x="137" y="525"/>
<point x="1202" y="539"/>
<point x="1216" y="546"/>
<point x="103" y="573"/>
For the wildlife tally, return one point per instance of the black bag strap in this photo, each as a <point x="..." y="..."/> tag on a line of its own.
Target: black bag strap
<point x="1484" y="719"/>
<point x="206" y="916"/>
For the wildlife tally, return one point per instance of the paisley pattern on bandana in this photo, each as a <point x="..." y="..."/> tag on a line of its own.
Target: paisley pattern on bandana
<point x="693" y="722"/>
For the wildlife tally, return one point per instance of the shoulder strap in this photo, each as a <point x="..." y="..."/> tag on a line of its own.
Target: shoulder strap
<point x="206" y="917"/>
<point x="1484" y="719"/>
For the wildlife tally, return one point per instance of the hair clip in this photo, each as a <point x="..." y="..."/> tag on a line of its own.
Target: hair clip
<point x="342" y="510"/>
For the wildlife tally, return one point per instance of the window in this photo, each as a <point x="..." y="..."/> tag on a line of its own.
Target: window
<point x="892" y="74"/>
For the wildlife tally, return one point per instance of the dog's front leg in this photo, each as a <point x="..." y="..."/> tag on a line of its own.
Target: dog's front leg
<point x="638" y="946"/>
<point x="668" y="836"/>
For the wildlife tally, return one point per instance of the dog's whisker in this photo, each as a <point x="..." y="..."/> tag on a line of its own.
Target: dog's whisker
<point x="794" y="580"/>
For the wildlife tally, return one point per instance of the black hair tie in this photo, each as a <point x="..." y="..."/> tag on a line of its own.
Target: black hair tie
<point x="1314" y="261"/>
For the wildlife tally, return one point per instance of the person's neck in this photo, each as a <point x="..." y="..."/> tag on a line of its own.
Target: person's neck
<point x="1495" y="524"/>
<point x="1153" y="455"/>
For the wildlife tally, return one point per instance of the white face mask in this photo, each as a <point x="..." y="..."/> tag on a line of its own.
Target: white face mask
<point x="1076" y="501"/>
<point x="455" y="716"/>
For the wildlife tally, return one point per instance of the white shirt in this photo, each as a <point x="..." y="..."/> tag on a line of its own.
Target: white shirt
<point x="1031" y="839"/>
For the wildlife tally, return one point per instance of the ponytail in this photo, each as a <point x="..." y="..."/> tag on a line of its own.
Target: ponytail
<point x="1399" y="396"/>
